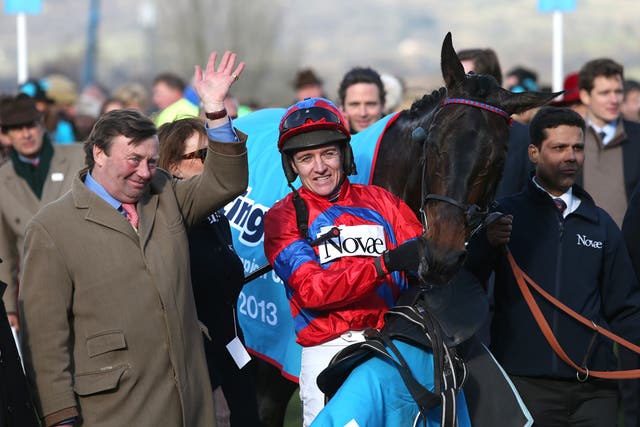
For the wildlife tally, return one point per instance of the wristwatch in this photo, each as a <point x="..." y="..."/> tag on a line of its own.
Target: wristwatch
<point x="216" y="114"/>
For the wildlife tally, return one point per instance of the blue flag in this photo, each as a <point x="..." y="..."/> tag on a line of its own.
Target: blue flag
<point x="33" y="7"/>
<point x="556" y="5"/>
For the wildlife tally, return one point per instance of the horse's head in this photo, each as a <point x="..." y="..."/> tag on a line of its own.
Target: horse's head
<point x="465" y="147"/>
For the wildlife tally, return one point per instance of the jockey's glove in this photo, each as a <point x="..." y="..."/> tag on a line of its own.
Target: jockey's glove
<point x="405" y="257"/>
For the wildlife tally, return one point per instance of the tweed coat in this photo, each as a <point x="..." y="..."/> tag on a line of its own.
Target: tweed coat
<point x="18" y="204"/>
<point x="108" y="315"/>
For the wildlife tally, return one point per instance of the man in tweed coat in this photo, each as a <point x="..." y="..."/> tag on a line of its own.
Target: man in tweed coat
<point x="108" y="316"/>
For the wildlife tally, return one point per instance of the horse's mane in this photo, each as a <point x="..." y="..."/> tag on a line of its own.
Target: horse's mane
<point x="427" y="103"/>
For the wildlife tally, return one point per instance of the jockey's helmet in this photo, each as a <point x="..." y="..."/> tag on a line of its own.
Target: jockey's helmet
<point x="309" y="123"/>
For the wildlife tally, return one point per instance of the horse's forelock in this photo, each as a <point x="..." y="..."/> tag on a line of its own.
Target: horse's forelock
<point x="477" y="87"/>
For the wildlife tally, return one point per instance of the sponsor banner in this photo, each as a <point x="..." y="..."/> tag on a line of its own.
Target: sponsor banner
<point x="354" y="240"/>
<point x="263" y="309"/>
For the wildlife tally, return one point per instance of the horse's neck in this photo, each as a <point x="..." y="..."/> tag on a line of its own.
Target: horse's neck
<point x="399" y="162"/>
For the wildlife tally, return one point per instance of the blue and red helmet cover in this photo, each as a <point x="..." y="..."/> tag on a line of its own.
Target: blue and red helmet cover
<point x="310" y="115"/>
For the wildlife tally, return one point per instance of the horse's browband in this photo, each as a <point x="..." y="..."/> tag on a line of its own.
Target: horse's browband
<point x="496" y="110"/>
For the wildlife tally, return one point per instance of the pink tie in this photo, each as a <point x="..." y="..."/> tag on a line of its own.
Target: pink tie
<point x="560" y="204"/>
<point x="132" y="215"/>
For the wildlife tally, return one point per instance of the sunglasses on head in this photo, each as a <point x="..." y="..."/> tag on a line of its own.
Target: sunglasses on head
<point x="198" y="154"/>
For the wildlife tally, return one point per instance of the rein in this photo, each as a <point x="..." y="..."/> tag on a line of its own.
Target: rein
<point x="474" y="215"/>
<point x="523" y="280"/>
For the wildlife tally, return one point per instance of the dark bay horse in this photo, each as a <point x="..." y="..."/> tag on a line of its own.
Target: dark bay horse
<point x="447" y="173"/>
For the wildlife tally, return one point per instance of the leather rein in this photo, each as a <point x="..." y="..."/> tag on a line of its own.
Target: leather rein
<point x="474" y="215"/>
<point x="524" y="281"/>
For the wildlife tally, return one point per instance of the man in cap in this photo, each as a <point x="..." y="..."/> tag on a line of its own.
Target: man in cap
<point x="38" y="173"/>
<point x="336" y="286"/>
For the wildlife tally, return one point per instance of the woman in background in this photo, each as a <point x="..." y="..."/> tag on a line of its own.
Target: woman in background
<point x="217" y="276"/>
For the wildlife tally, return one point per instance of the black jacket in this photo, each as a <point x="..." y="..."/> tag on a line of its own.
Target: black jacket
<point x="582" y="261"/>
<point x="631" y="156"/>
<point x="217" y="276"/>
<point x="16" y="409"/>
<point x="631" y="229"/>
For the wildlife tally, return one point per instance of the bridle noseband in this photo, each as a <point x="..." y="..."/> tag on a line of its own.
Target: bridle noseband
<point x="474" y="215"/>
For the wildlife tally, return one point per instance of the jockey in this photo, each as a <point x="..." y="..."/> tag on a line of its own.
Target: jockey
<point x="341" y="249"/>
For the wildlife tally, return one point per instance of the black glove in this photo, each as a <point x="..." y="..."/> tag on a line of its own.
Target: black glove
<point x="405" y="257"/>
<point x="499" y="228"/>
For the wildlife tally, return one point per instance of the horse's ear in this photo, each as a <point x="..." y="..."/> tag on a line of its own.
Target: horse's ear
<point x="515" y="103"/>
<point x="452" y="69"/>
